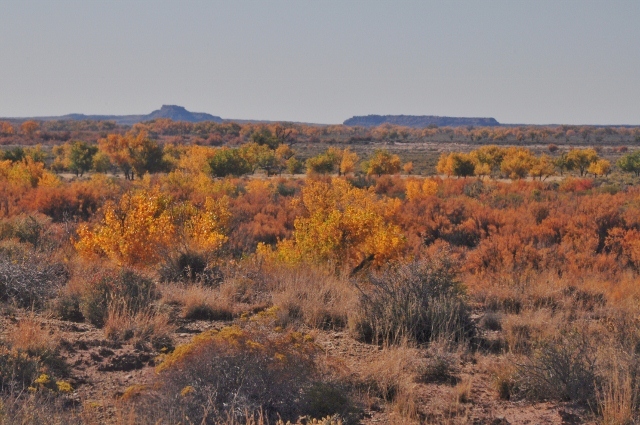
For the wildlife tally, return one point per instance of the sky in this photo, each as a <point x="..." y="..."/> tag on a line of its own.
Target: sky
<point x="533" y="62"/>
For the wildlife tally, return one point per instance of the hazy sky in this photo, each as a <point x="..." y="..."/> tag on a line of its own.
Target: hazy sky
<point x="323" y="61"/>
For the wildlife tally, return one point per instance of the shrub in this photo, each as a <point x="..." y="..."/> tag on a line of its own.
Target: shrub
<point x="440" y="366"/>
<point x="144" y="326"/>
<point x="17" y="370"/>
<point x="29" y="351"/>
<point x="420" y="301"/>
<point x="31" y="281"/>
<point x="124" y="289"/>
<point x="190" y="267"/>
<point x="562" y="369"/>
<point x="226" y="373"/>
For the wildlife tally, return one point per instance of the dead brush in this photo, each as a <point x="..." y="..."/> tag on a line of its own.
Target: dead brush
<point x="139" y="327"/>
<point x="197" y="302"/>
<point x="392" y="376"/>
<point x="420" y="302"/>
<point x="561" y="368"/>
<point x="317" y="298"/>
<point x="440" y="365"/>
<point x="523" y="331"/>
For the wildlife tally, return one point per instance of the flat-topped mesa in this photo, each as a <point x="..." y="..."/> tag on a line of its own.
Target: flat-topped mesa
<point x="173" y="112"/>
<point x="420" y="121"/>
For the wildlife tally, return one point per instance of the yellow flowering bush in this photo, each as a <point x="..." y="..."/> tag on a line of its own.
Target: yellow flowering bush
<point x="235" y="369"/>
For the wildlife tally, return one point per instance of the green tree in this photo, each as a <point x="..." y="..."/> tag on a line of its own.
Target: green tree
<point x="326" y="162"/>
<point x="101" y="162"/>
<point x="456" y="164"/>
<point x="14" y="154"/>
<point x="562" y="163"/>
<point x="630" y="163"/>
<point x="264" y="137"/>
<point x="146" y="155"/>
<point x="81" y="157"/>
<point x="294" y="166"/>
<point x="228" y="162"/>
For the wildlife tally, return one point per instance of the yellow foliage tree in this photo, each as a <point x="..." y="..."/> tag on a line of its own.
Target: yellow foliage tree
<point x="542" y="167"/>
<point x="26" y="173"/>
<point x="341" y="224"/>
<point x="348" y="162"/>
<point x="417" y="189"/>
<point x="581" y="159"/>
<point x="517" y="163"/>
<point x="408" y="168"/>
<point x="383" y="162"/>
<point x="195" y="159"/>
<point x="6" y="129"/>
<point x="138" y="228"/>
<point x="601" y="167"/>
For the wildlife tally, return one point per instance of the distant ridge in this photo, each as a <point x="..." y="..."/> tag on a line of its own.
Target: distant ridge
<point x="174" y="112"/>
<point x="419" y="121"/>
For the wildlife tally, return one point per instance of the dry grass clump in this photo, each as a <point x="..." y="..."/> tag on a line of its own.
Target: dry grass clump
<point x="30" y="336"/>
<point x="315" y="297"/>
<point x="522" y="331"/>
<point x="41" y="408"/>
<point x="440" y="365"/>
<point x="139" y="327"/>
<point x="198" y="302"/>
<point x="618" y="398"/>
<point x="503" y="375"/>
<point x="462" y="390"/>
<point x="392" y="376"/>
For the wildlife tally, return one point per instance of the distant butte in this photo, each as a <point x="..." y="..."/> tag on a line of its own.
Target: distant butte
<point x="174" y="112"/>
<point x="420" y="121"/>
